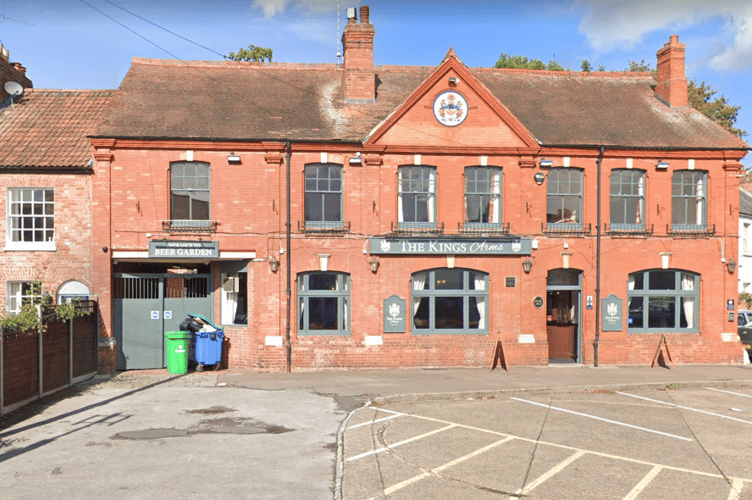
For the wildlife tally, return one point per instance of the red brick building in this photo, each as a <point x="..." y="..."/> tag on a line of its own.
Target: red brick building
<point x="46" y="164"/>
<point x="362" y="216"/>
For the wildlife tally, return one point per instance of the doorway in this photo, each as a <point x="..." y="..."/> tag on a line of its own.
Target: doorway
<point x="563" y="316"/>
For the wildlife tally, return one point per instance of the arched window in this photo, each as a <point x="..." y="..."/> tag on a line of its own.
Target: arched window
<point x="72" y="290"/>
<point x="663" y="300"/>
<point x="450" y="301"/>
<point x="323" y="303"/>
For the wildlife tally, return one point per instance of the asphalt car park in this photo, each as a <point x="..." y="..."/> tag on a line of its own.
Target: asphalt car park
<point x="640" y="444"/>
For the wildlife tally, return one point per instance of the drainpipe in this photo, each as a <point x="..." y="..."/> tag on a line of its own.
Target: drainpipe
<point x="289" y="270"/>
<point x="598" y="266"/>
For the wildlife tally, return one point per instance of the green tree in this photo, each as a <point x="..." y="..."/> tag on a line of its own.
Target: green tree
<point x="252" y="53"/>
<point x="585" y="66"/>
<point x="641" y="66"/>
<point x="719" y="110"/>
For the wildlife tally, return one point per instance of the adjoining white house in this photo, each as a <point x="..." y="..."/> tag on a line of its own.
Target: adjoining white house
<point x="745" y="241"/>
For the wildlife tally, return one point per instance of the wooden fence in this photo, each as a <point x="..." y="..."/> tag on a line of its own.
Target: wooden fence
<point x="34" y="365"/>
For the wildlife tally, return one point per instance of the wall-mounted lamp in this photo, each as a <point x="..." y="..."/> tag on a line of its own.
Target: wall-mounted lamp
<point x="357" y="159"/>
<point x="373" y="264"/>
<point x="661" y="165"/>
<point x="546" y="163"/>
<point x="233" y="158"/>
<point x="731" y="265"/>
<point x="454" y="81"/>
<point x="527" y="265"/>
<point x="273" y="264"/>
<point x="539" y="177"/>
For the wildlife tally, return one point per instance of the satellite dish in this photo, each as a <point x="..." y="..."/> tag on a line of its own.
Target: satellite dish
<point x="14" y="88"/>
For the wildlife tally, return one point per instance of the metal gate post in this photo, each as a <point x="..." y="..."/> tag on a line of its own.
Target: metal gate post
<point x="2" y="371"/>
<point x="70" y="352"/>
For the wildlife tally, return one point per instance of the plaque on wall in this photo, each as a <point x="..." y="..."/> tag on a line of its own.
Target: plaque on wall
<point x="394" y="315"/>
<point x="612" y="317"/>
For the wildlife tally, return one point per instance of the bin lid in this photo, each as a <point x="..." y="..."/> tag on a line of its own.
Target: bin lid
<point x="204" y="318"/>
<point x="178" y="335"/>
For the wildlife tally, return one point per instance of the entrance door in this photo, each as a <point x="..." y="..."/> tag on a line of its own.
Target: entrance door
<point x="145" y="306"/>
<point x="563" y="316"/>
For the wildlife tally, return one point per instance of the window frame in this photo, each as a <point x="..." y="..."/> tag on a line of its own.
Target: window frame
<point x="420" y="190"/>
<point x="233" y="304"/>
<point x="432" y="293"/>
<point x="342" y="294"/>
<point x="17" y="297"/>
<point x="494" y="177"/>
<point x="659" y="295"/>
<point x="556" y="193"/>
<point x="629" y="190"/>
<point x="322" y="193"/>
<point x="48" y="219"/>
<point x="684" y="197"/>
<point x="192" y="194"/>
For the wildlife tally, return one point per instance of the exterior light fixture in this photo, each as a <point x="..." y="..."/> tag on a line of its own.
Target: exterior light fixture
<point x="357" y="159"/>
<point x="539" y="177"/>
<point x="527" y="265"/>
<point x="661" y="165"/>
<point x="454" y="81"/>
<point x="374" y="264"/>
<point x="233" y="158"/>
<point x="546" y="163"/>
<point x="273" y="264"/>
<point x="731" y="265"/>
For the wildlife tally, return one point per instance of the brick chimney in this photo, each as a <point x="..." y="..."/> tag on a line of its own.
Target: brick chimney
<point x="359" y="78"/>
<point x="672" y="83"/>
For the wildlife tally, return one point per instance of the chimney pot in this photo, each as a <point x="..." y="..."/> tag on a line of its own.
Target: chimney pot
<point x="359" y="77"/>
<point x="19" y="68"/>
<point x="672" y="82"/>
<point x="365" y="12"/>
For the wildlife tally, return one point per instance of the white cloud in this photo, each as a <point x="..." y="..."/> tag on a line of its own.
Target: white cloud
<point x="273" y="7"/>
<point x="609" y="25"/>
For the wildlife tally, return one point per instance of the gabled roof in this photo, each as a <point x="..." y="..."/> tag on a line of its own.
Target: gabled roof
<point x="49" y="128"/>
<point x="745" y="202"/>
<point x="227" y="100"/>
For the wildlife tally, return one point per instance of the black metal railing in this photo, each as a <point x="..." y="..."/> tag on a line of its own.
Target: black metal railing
<point x="403" y="228"/>
<point x="628" y="229"/>
<point x="566" y="228"/>
<point x="690" y="230"/>
<point x="483" y="229"/>
<point x="190" y="226"/>
<point x="328" y="227"/>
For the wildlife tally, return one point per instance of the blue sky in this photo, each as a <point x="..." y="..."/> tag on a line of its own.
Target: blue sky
<point x="74" y="44"/>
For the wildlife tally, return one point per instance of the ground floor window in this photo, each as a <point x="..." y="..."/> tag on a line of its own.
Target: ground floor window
<point x="20" y="292"/>
<point x="72" y="290"/>
<point x="663" y="301"/>
<point x="450" y="301"/>
<point x="323" y="303"/>
<point x="234" y="293"/>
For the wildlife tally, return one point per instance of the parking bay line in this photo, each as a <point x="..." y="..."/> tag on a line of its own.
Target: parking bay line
<point x="729" y="392"/>
<point x="371" y="422"/>
<point x="414" y="438"/>
<point x="685" y="407"/>
<point x="623" y="424"/>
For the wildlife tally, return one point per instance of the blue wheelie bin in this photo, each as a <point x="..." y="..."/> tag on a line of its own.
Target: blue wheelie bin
<point x="206" y="342"/>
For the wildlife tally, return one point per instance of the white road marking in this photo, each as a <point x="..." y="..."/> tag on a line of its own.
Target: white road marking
<point x="687" y="408"/>
<point x="643" y="484"/>
<point x="729" y="392"/>
<point x="736" y="489"/>
<point x="370" y="422"/>
<point x="645" y="429"/>
<point x="415" y="438"/>
<point x="417" y="478"/>
<point x="548" y="475"/>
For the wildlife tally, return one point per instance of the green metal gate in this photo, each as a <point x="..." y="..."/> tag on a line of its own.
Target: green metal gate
<point x="147" y="305"/>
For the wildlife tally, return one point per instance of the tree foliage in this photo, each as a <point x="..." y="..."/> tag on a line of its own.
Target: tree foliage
<point x="252" y="53"/>
<point x="700" y="96"/>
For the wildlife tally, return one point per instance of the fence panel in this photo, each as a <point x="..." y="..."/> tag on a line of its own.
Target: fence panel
<point x="55" y="356"/>
<point x="20" y="366"/>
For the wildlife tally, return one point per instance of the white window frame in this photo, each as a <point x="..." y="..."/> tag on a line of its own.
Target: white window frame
<point x="15" y="295"/>
<point x="10" y="245"/>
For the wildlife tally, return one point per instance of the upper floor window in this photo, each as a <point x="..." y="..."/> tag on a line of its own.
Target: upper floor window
<point x="663" y="301"/>
<point x="189" y="191"/>
<point x="689" y="200"/>
<point x="417" y="197"/>
<point x="323" y="303"/>
<point x="627" y="200"/>
<point x="450" y="301"/>
<point x="564" y="205"/>
<point x="30" y="219"/>
<point x="323" y="196"/>
<point x="482" y="196"/>
<point x="21" y="292"/>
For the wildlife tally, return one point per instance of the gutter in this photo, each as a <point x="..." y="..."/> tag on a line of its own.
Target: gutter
<point x="289" y="262"/>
